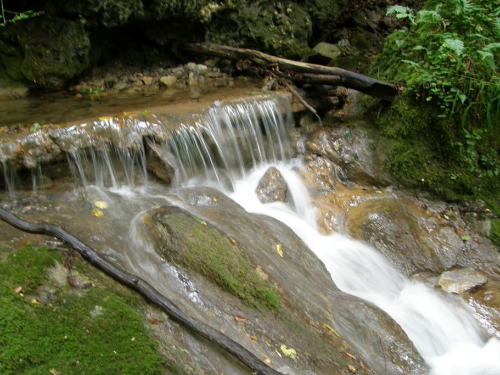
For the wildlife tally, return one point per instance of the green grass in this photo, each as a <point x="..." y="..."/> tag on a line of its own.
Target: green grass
<point x="61" y="335"/>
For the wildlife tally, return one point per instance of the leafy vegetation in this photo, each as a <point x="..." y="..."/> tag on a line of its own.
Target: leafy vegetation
<point x="46" y="328"/>
<point x="8" y="16"/>
<point x="447" y="60"/>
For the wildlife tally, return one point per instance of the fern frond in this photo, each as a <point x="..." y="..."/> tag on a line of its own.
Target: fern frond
<point x="401" y="12"/>
<point x="428" y="16"/>
<point x="456" y="45"/>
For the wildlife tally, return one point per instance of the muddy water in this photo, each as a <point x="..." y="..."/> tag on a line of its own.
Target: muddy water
<point x="61" y="108"/>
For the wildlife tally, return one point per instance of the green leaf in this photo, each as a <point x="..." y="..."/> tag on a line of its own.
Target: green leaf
<point x="456" y="45"/>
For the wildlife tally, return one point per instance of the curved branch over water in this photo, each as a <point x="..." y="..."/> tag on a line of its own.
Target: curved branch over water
<point x="145" y="289"/>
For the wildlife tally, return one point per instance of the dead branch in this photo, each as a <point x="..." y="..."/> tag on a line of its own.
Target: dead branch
<point x="315" y="73"/>
<point x="145" y="289"/>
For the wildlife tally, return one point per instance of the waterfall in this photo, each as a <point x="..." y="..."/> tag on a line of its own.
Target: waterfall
<point x="441" y="327"/>
<point x="230" y="146"/>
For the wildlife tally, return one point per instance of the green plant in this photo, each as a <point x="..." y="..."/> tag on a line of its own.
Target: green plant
<point x="8" y="16"/>
<point x="450" y="56"/>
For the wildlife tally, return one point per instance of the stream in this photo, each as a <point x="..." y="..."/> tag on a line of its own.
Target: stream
<point x="230" y="147"/>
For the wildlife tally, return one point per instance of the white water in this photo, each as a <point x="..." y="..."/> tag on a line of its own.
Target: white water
<point x="440" y="326"/>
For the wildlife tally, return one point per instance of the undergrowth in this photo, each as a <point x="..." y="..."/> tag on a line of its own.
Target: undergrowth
<point x="444" y="131"/>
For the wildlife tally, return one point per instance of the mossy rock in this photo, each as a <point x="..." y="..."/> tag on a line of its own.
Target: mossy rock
<point x="495" y="232"/>
<point x="282" y="28"/>
<point x="191" y="243"/>
<point x="49" y="57"/>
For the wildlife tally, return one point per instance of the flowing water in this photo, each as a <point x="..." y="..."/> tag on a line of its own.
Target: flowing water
<point x="231" y="147"/>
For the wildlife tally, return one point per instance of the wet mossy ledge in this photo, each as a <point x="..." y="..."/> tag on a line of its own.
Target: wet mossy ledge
<point x="46" y="326"/>
<point x="191" y="243"/>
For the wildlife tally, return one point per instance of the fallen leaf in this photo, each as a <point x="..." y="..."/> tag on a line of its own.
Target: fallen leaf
<point x="101" y="204"/>
<point x="289" y="352"/>
<point x="35" y="302"/>
<point x="203" y="223"/>
<point x="18" y="289"/>
<point x="132" y="339"/>
<point x="106" y="118"/>
<point x="53" y="371"/>
<point x="215" y="199"/>
<point x="279" y="249"/>
<point x="350" y="355"/>
<point x="253" y="338"/>
<point x="97" y="213"/>
<point x="465" y="238"/>
<point x="267" y="360"/>
<point x="232" y="241"/>
<point x="361" y="365"/>
<point x="351" y="368"/>
<point x="153" y="321"/>
<point x="331" y="330"/>
<point x="239" y="319"/>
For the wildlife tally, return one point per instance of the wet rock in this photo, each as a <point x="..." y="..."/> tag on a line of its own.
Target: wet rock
<point x="308" y="298"/>
<point x="160" y="162"/>
<point x="272" y="186"/>
<point x="322" y="175"/>
<point x="461" y="280"/>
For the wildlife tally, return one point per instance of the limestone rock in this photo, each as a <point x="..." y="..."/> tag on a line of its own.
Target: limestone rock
<point x="326" y="52"/>
<point x="272" y="187"/>
<point x="461" y="280"/>
<point x="168" y="81"/>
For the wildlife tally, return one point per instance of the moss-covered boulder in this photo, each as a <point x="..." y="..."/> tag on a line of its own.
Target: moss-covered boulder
<point x="45" y="52"/>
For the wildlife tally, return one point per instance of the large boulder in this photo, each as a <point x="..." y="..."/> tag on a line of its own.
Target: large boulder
<point x="211" y="239"/>
<point x="45" y="52"/>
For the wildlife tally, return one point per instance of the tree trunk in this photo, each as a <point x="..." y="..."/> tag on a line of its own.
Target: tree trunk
<point x="308" y="73"/>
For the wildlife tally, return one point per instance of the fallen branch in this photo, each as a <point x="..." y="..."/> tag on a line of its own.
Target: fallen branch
<point x="312" y="72"/>
<point x="145" y="289"/>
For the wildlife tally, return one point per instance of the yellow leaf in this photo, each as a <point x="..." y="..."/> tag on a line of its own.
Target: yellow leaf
<point x="101" y="204"/>
<point x="267" y="360"/>
<point x="18" y="289"/>
<point x="97" y="213"/>
<point x="253" y="338"/>
<point x="36" y="302"/>
<point x="203" y="223"/>
<point x="289" y="352"/>
<point x="239" y="319"/>
<point x="105" y="118"/>
<point x="352" y="368"/>
<point x="331" y="330"/>
<point x="350" y="355"/>
<point x="215" y="199"/>
<point x="233" y="241"/>
<point x="279" y="249"/>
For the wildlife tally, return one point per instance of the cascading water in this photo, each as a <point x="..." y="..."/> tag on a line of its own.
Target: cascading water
<point x="219" y="148"/>
<point x="441" y="327"/>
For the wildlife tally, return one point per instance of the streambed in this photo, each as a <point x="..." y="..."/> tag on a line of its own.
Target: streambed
<point x="319" y="321"/>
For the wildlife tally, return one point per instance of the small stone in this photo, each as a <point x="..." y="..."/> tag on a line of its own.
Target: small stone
<point x="461" y="280"/>
<point x="168" y="81"/>
<point x="272" y="186"/>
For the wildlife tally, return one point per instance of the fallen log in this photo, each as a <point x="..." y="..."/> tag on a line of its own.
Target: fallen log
<point x="145" y="289"/>
<point x="310" y="73"/>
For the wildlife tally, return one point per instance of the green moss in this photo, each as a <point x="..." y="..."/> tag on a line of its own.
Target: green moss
<point x="495" y="232"/>
<point x="96" y="331"/>
<point x="199" y="247"/>
<point x="278" y="28"/>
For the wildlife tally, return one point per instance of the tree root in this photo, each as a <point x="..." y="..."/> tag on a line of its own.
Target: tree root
<point x="145" y="289"/>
